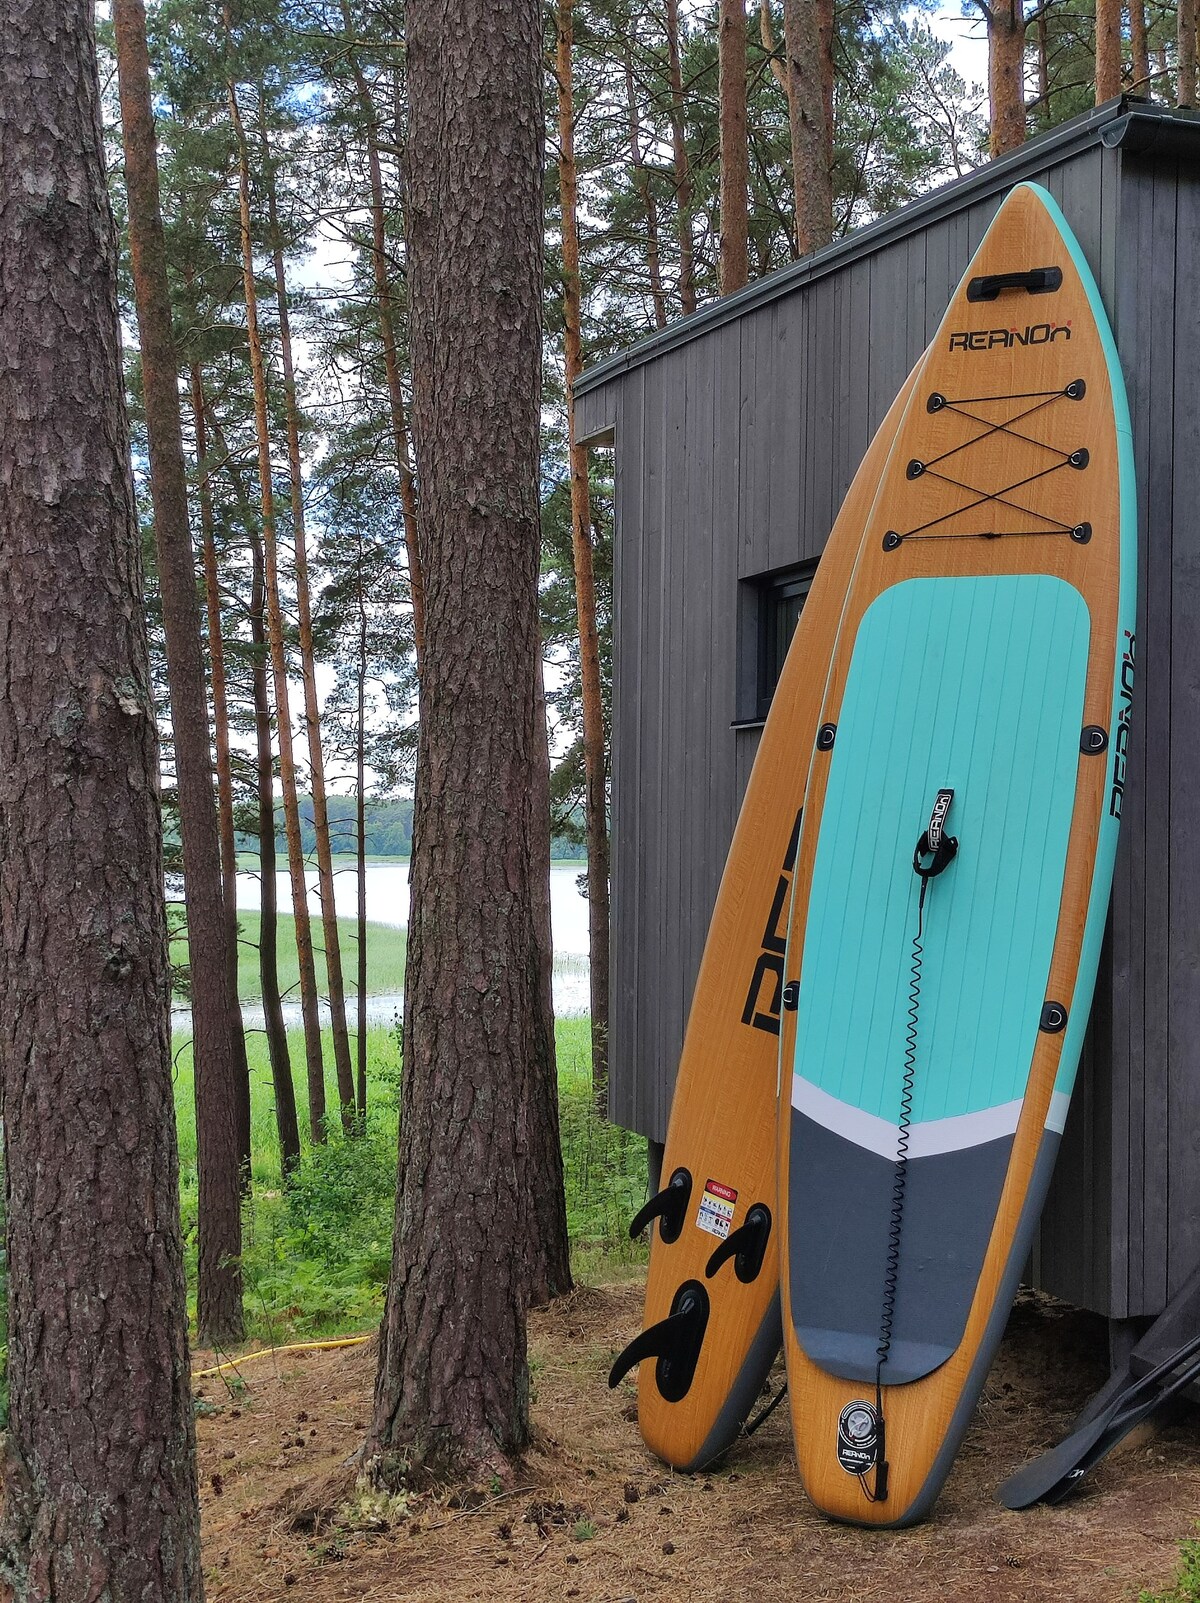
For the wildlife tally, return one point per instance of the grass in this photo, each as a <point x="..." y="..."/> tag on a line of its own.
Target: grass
<point x="316" y="1253"/>
<point x="1186" y="1586"/>
<point x="386" y="948"/>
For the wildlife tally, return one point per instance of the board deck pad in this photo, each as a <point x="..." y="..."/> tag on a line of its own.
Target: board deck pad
<point x="983" y="655"/>
<point x="722" y="1126"/>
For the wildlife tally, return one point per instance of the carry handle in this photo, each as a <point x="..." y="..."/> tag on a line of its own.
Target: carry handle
<point x="1037" y="281"/>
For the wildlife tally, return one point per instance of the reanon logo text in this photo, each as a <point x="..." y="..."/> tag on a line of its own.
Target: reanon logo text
<point x="988" y="339"/>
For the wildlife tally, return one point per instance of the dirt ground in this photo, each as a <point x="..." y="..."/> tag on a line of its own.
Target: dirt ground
<point x="595" y="1517"/>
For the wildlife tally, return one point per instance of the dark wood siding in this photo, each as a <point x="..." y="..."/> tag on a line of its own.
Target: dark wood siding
<point x="734" y="447"/>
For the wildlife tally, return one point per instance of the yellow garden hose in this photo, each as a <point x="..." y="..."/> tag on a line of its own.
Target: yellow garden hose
<point x="269" y="1352"/>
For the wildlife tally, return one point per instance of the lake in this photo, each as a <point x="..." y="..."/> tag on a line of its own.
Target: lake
<point x="387" y="903"/>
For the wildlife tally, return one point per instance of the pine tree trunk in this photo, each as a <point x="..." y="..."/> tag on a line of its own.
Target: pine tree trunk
<point x="222" y="1103"/>
<point x="268" y="943"/>
<point x="1108" y="50"/>
<point x="309" y="1003"/>
<point x="641" y="178"/>
<point x="308" y="669"/>
<point x="1139" y="47"/>
<point x="225" y="822"/>
<point x="1006" y="74"/>
<point x="286" y="1119"/>
<point x="478" y="1055"/>
<point x="360" y="811"/>
<point x="734" y="260"/>
<point x="808" y="46"/>
<point x="683" y="167"/>
<point x="100" y="1493"/>
<point x="1186" y="52"/>
<point x="391" y="363"/>
<point x="595" y="757"/>
<point x="1043" y="66"/>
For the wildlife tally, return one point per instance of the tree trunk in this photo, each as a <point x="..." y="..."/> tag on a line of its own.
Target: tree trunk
<point x="99" y="1477"/>
<point x="1139" y="47"/>
<point x="268" y="947"/>
<point x="641" y="179"/>
<point x="360" y="818"/>
<point x="1186" y="51"/>
<point x="308" y="668"/>
<point x="1043" y="66"/>
<point x="452" y="1383"/>
<point x="391" y="363"/>
<point x="309" y="1005"/>
<point x="225" y="822"/>
<point x="595" y="759"/>
<point x="222" y="1103"/>
<point x="1108" y="50"/>
<point x="734" y="261"/>
<point x="683" y="168"/>
<point x="807" y="47"/>
<point x="286" y="1119"/>
<point x="1006" y="74"/>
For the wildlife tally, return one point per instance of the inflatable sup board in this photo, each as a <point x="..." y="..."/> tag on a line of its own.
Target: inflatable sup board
<point x="712" y="1324"/>
<point x="954" y="867"/>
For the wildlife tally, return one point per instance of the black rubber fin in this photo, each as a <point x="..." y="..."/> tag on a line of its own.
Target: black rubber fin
<point x="668" y="1205"/>
<point x="675" y="1342"/>
<point x="747" y="1246"/>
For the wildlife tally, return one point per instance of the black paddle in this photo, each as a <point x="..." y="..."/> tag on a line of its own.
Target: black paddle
<point x="1056" y="1474"/>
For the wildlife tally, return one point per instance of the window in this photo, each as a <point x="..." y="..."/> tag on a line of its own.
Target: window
<point x="770" y="608"/>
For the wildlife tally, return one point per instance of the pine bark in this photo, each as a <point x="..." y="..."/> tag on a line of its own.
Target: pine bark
<point x="220" y="703"/>
<point x="222" y="1096"/>
<point x="1006" y="74"/>
<point x="99" y="1476"/>
<point x="641" y="179"/>
<point x="682" y="163"/>
<point x="808" y="43"/>
<point x="360" y="821"/>
<point x="309" y="1004"/>
<point x="452" y="1384"/>
<point x="287" y="1121"/>
<point x="1139" y="47"/>
<point x="594" y="754"/>
<point x="1108" y="50"/>
<point x="391" y="361"/>
<point x="308" y="670"/>
<point x="734" y="256"/>
<point x="275" y="1028"/>
<point x="1186" y="52"/>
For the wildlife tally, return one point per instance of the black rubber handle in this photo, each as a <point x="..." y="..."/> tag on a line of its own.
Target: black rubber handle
<point x="747" y="1246"/>
<point x="669" y="1205"/>
<point x="1037" y="281"/>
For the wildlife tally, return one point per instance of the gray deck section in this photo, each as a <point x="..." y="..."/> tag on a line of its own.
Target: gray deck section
<point x="737" y="433"/>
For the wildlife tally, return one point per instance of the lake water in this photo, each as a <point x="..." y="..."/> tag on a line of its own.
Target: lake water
<point x="387" y="903"/>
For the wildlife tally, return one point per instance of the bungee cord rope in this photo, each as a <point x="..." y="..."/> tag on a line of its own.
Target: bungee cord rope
<point x="1077" y="459"/>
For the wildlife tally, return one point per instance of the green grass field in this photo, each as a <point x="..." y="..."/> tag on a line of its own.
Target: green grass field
<point x="386" y="948"/>
<point x="316" y="1252"/>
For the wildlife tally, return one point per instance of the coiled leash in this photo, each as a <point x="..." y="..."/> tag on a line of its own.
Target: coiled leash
<point x="934" y="853"/>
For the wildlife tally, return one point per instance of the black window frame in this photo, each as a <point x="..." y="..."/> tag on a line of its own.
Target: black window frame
<point x="765" y="635"/>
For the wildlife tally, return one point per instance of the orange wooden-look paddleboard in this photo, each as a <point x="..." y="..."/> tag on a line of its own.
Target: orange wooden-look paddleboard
<point x="953" y="868"/>
<point x="712" y="1326"/>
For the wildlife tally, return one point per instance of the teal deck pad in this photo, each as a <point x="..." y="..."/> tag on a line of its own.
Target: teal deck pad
<point x="974" y="684"/>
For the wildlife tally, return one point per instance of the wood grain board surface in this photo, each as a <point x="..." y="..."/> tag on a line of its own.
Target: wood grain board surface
<point x="722" y="1127"/>
<point x="984" y="628"/>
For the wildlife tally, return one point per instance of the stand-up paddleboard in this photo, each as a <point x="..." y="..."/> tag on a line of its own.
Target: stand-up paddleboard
<point x="712" y="1327"/>
<point x="954" y="867"/>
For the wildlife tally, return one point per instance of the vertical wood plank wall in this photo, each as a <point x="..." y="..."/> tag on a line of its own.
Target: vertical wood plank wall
<point x="733" y="451"/>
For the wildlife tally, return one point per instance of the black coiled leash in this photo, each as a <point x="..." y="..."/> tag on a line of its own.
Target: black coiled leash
<point x="934" y="853"/>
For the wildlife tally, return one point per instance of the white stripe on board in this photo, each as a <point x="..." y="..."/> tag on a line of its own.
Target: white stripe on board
<point x="925" y="1140"/>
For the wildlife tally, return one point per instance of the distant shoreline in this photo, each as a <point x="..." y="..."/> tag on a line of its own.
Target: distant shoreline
<point x="247" y="862"/>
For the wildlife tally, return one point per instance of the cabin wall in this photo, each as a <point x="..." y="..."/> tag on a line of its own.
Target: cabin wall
<point x="733" y="453"/>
